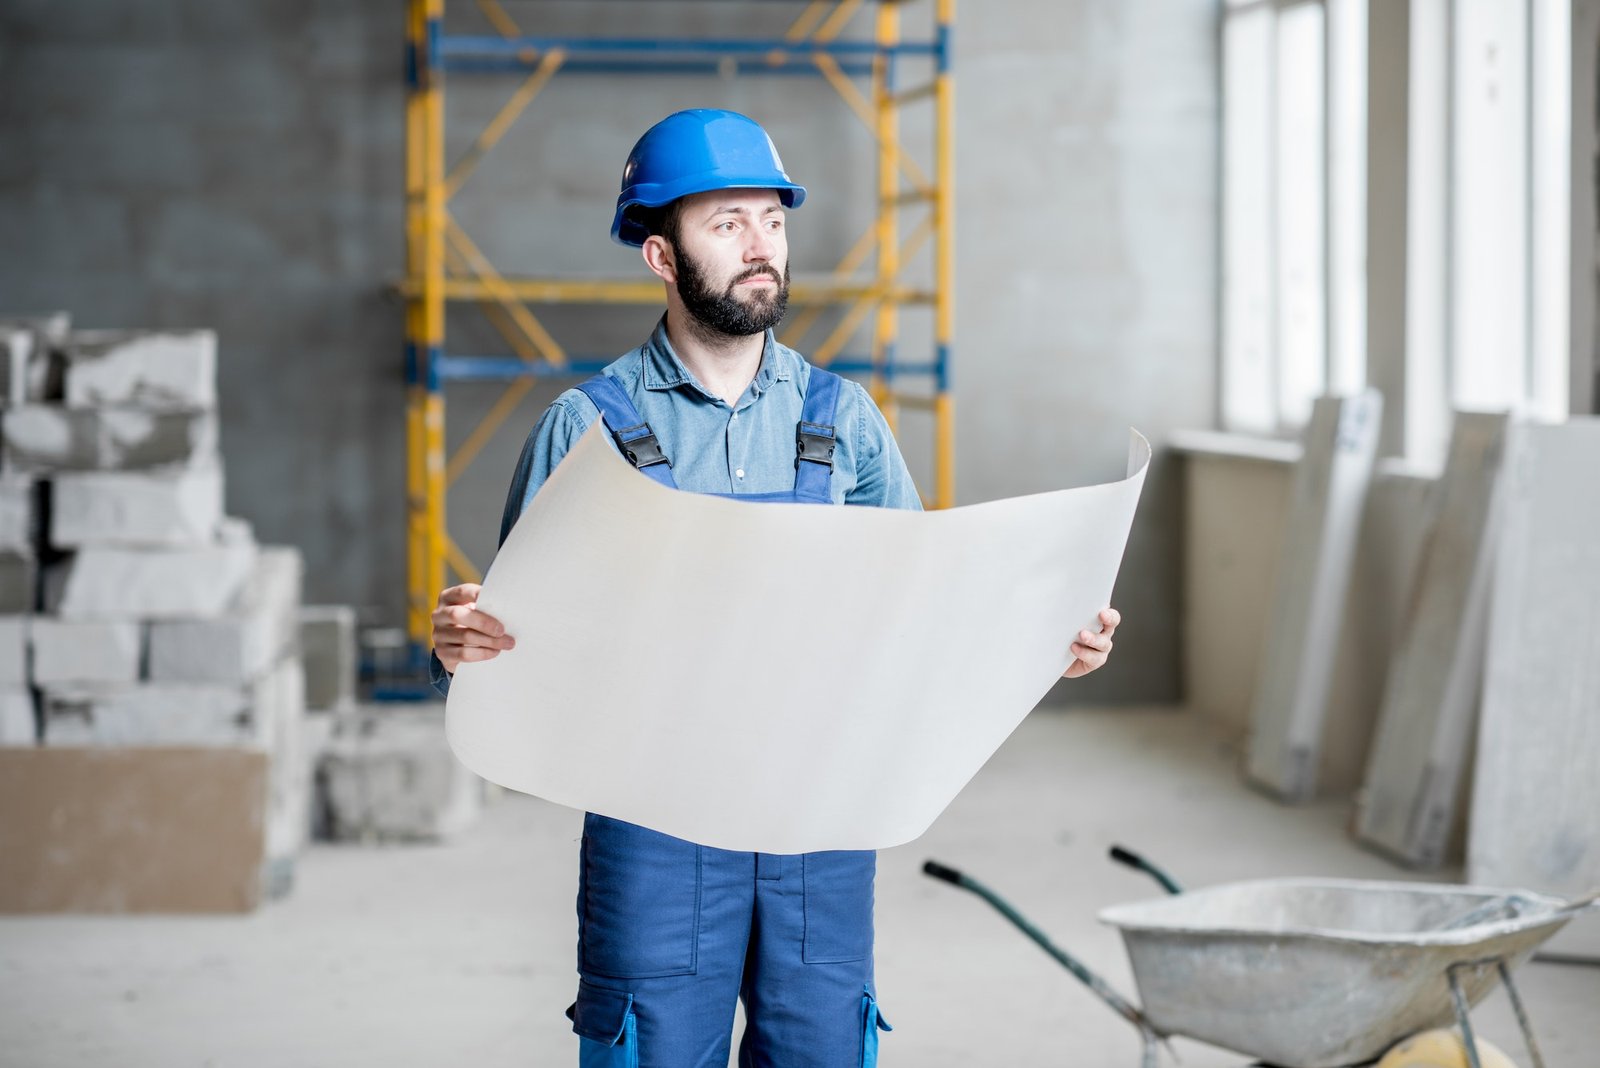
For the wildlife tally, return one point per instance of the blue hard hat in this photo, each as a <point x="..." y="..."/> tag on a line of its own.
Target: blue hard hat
<point x="697" y="151"/>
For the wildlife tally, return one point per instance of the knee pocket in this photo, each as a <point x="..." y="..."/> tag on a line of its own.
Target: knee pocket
<point x="607" y="1029"/>
<point x="872" y="1022"/>
<point x="638" y="902"/>
<point x="837" y="886"/>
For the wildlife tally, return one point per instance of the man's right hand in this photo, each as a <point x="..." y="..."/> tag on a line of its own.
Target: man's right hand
<point x="461" y="633"/>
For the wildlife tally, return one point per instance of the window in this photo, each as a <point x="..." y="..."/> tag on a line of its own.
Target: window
<point x="1487" y="209"/>
<point x="1294" y="180"/>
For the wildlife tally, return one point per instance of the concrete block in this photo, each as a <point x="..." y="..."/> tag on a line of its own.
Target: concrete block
<point x="68" y="651"/>
<point x="390" y="774"/>
<point x="13" y="651"/>
<point x="51" y="328"/>
<point x="19" y="497"/>
<point x="281" y="698"/>
<point x="31" y="365"/>
<point x="156" y="508"/>
<point x="257" y="629"/>
<point x="155" y="714"/>
<point x="197" y="583"/>
<point x="316" y="738"/>
<point x="19" y="576"/>
<point x="16" y="352"/>
<point x="49" y="438"/>
<point x="153" y="370"/>
<point x="17" y="725"/>
<point x="328" y="648"/>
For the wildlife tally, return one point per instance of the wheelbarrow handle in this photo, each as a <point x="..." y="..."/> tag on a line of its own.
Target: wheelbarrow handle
<point x="1099" y="987"/>
<point x="1138" y="863"/>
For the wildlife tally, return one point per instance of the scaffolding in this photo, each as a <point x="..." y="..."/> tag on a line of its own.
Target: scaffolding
<point x="445" y="266"/>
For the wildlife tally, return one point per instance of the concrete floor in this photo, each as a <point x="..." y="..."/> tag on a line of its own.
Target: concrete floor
<point x="462" y="953"/>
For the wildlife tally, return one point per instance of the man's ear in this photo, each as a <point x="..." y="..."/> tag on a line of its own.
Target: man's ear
<point x="659" y="257"/>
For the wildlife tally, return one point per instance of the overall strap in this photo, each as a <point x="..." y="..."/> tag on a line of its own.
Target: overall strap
<point x="815" y="438"/>
<point x="632" y="434"/>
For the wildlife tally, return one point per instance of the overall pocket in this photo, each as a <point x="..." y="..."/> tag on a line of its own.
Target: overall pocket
<point x="838" y="905"/>
<point x="638" y="902"/>
<point x="608" y="1032"/>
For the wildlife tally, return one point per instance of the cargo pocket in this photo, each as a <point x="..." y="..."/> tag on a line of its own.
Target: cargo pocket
<point x="608" y="1033"/>
<point x="638" y="902"/>
<point x="838" y="905"/>
<point x="872" y="1022"/>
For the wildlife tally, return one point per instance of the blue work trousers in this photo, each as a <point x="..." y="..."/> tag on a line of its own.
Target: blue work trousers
<point x="671" y="934"/>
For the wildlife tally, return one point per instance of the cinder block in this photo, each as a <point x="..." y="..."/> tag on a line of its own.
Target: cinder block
<point x="13" y="651"/>
<point x="281" y="699"/>
<point x="328" y="647"/>
<point x="19" y="576"/>
<point x="16" y="717"/>
<point x="254" y="633"/>
<point x="390" y="774"/>
<point x="19" y="496"/>
<point x="68" y="651"/>
<point x="178" y="507"/>
<point x="48" y="438"/>
<point x="16" y="352"/>
<point x="154" y="714"/>
<point x="197" y="583"/>
<point x="31" y="365"/>
<point x="156" y="370"/>
<point x="52" y="328"/>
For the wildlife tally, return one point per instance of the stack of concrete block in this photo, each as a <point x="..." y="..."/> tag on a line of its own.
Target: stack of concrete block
<point x="389" y="774"/>
<point x="155" y="620"/>
<point x="328" y="646"/>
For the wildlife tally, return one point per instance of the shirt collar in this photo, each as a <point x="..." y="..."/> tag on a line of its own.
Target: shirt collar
<point x="663" y="369"/>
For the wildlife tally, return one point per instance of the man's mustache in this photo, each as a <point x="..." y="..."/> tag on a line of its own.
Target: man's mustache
<point x="756" y="272"/>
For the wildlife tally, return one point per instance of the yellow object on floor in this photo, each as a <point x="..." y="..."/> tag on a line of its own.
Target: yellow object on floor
<point x="1442" y="1049"/>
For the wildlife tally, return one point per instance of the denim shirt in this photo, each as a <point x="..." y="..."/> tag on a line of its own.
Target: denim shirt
<point x="748" y="447"/>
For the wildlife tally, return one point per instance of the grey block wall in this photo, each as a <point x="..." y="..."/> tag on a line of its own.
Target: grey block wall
<point x="238" y="165"/>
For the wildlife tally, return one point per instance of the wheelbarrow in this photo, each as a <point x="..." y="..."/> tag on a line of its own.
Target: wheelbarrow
<point x="1311" y="973"/>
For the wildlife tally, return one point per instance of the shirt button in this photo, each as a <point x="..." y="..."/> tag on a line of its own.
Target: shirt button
<point x="739" y="473"/>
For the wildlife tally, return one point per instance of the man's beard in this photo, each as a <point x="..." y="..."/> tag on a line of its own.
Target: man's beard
<point x="720" y="311"/>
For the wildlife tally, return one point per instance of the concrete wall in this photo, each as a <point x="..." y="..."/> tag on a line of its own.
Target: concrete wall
<point x="239" y="165"/>
<point x="234" y="165"/>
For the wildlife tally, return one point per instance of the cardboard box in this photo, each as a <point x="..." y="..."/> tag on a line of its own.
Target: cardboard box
<point x="132" y="830"/>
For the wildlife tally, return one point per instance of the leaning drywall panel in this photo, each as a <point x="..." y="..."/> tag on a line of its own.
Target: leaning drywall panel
<point x="1407" y="806"/>
<point x="1536" y="803"/>
<point x="1327" y="497"/>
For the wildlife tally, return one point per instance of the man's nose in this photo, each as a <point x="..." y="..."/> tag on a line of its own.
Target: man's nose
<point x="761" y="247"/>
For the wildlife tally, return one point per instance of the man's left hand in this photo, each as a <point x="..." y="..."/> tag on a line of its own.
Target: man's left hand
<point x="1092" y="649"/>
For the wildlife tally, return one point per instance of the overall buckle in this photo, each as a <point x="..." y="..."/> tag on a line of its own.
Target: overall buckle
<point x="814" y="442"/>
<point x="642" y="450"/>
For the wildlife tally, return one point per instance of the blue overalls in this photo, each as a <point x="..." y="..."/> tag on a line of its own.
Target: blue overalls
<point x="671" y="934"/>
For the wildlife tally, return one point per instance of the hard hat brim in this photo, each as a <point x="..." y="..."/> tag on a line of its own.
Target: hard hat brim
<point x="627" y="230"/>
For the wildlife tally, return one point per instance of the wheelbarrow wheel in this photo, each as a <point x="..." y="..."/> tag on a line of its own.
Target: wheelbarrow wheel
<point x="1442" y="1049"/>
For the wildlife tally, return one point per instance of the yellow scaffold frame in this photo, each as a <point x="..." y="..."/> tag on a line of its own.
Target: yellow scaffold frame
<point x="444" y="265"/>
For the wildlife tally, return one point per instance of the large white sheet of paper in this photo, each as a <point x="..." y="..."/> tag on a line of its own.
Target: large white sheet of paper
<point x="779" y="678"/>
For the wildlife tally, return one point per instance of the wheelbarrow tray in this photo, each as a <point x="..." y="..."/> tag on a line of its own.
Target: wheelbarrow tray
<point x="1318" y="973"/>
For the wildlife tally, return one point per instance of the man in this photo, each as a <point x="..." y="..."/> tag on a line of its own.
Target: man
<point x="670" y="933"/>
